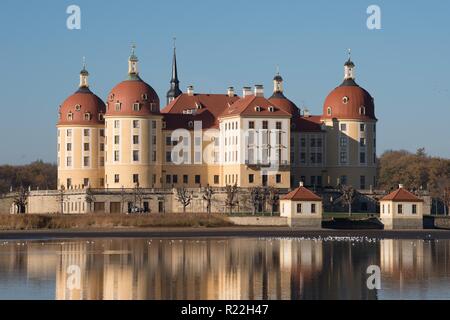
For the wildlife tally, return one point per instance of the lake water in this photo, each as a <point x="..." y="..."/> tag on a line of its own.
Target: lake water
<point x="231" y="268"/>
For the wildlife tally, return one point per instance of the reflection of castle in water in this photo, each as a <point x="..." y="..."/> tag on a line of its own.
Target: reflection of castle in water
<point x="224" y="269"/>
<point x="211" y="269"/>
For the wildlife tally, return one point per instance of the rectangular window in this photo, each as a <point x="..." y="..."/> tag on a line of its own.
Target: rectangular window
<point x="86" y="147"/>
<point x="414" y="209"/>
<point x="251" y="124"/>
<point x="400" y="209"/>
<point x="116" y="178"/>
<point x="279" y="125"/>
<point x="197" y="179"/>
<point x="216" y="179"/>
<point x="102" y="132"/>
<point x="168" y="156"/>
<point x="185" y="179"/>
<point x="135" y="139"/>
<point x="343" y="180"/>
<point x="251" y="178"/>
<point x="102" y="161"/>
<point x="69" y="147"/>
<point x="265" y="125"/>
<point x="299" y="208"/>
<point x="319" y="142"/>
<point x="278" y="178"/>
<point x="303" y="142"/>
<point x="69" y="161"/>
<point x="135" y="124"/>
<point x="135" y="178"/>
<point x="116" y="155"/>
<point x="362" y="142"/>
<point x="303" y="157"/>
<point x="168" y="141"/>
<point x="69" y="132"/>
<point x="69" y="183"/>
<point x="86" y="161"/>
<point x="168" y="179"/>
<point x="313" y="180"/>
<point x="362" y="157"/>
<point x="313" y="208"/>
<point x="154" y="156"/>
<point x="135" y="155"/>
<point x="136" y="106"/>
<point x="118" y="106"/>
<point x="102" y="147"/>
<point x="86" y="132"/>
<point x="175" y="178"/>
<point x="116" y="139"/>
<point x="343" y="127"/>
<point x="362" y="182"/>
<point x="319" y="181"/>
<point x="313" y="142"/>
<point x="362" y="127"/>
<point x="116" y="124"/>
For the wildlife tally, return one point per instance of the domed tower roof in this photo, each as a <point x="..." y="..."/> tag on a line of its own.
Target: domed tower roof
<point x="349" y="100"/>
<point x="279" y="99"/>
<point x="132" y="97"/>
<point x="83" y="107"/>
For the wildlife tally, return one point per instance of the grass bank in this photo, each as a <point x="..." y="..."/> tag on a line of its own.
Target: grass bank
<point x="102" y="221"/>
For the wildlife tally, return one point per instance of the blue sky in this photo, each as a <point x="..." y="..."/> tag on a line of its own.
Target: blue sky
<point x="405" y="66"/>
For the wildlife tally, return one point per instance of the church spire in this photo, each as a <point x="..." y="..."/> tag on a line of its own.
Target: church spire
<point x="133" y="72"/>
<point x="174" y="90"/>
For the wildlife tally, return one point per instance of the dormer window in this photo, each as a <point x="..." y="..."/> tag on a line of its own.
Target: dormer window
<point x="111" y="97"/>
<point x="258" y="109"/>
<point x="190" y="124"/>
<point x="362" y="110"/>
<point x="70" y="116"/>
<point x="101" y="117"/>
<point x="144" y="97"/>
<point x="77" y="107"/>
<point x="152" y="107"/>
<point x="118" y="106"/>
<point x="198" y="105"/>
<point x="271" y="109"/>
<point x="345" y="100"/>
<point x="87" y="116"/>
<point x="329" y="111"/>
<point x="136" y="106"/>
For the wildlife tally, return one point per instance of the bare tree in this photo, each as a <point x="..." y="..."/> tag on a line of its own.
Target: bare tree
<point x="184" y="197"/>
<point x="123" y="198"/>
<point x="138" y="196"/>
<point x="61" y="197"/>
<point x="21" y="200"/>
<point x="348" y="196"/>
<point x="272" y="199"/>
<point x="207" y="196"/>
<point x="231" y="199"/>
<point x="254" y="198"/>
<point x="90" y="198"/>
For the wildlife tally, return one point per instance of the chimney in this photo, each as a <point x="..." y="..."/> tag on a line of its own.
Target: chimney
<point x="306" y="113"/>
<point x="301" y="184"/>
<point x="400" y="186"/>
<point x="259" y="90"/>
<point x="190" y="91"/>
<point x="230" y="92"/>
<point x="246" y="91"/>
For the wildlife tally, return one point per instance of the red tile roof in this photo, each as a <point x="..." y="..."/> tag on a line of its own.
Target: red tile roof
<point x="402" y="195"/>
<point x="307" y="124"/>
<point x="302" y="194"/>
<point x="247" y="107"/>
<point x="202" y="107"/>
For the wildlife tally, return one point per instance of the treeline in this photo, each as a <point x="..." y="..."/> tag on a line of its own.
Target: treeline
<point x="416" y="171"/>
<point x="37" y="175"/>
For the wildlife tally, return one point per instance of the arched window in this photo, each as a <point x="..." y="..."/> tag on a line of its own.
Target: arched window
<point x="70" y="116"/>
<point x="345" y="100"/>
<point x="362" y="110"/>
<point x="87" y="116"/>
<point x="329" y="111"/>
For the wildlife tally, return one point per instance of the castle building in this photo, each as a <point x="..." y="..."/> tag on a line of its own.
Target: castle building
<point x="214" y="139"/>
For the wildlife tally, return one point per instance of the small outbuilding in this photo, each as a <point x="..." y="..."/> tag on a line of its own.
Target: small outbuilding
<point x="302" y="208"/>
<point x="401" y="209"/>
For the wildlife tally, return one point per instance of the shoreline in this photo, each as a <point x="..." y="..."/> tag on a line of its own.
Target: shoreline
<point x="220" y="232"/>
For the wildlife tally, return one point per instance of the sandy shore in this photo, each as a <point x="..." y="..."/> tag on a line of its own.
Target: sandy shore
<point x="248" y="232"/>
